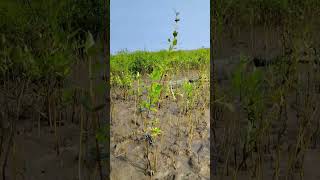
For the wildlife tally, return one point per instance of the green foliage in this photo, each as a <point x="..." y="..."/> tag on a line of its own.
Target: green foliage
<point x="249" y="85"/>
<point x="102" y="134"/>
<point x="89" y="42"/>
<point x="153" y="128"/>
<point x="146" y="62"/>
<point x="174" y="41"/>
<point x="188" y="89"/>
<point x="155" y="131"/>
<point x="153" y="96"/>
<point x="39" y="38"/>
<point x="141" y="65"/>
<point x="123" y="80"/>
<point x="154" y="92"/>
<point x="156" y="74"/>
<point x="265" y="11"/>
<point x="85" y="15"/>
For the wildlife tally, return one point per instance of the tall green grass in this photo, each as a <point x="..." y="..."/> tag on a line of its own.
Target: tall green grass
<point x="144" y="62"/>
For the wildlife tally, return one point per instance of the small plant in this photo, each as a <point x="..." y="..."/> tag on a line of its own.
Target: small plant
<point x="174" y="41"/>
<point x="149" y="104"/>
<point x="154" y="92"/>
<point x="249" y="86"/>
<point x="188" y="90"/>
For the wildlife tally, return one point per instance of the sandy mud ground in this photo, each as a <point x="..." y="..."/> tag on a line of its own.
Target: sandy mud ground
<point x="182" y="150"/>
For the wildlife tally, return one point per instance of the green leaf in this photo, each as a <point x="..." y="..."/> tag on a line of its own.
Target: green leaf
<point x="74" y="33"/>
<point x="156" y="74"/>
<point x="154" y="109"/>
<point x="138" y="75"/>
<point x="145" y="104"/>
<point x="157" y="87"/>
<point x="89" y="41"/>
<point x="175" y="42"/>
<point x="175" y="33"/>
<point x="155" y="131"/>
<point x="66" y="71"/>
<point x="102" y="134"/>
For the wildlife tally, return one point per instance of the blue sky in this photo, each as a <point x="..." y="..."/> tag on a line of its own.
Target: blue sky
<point x="147" y="24"/>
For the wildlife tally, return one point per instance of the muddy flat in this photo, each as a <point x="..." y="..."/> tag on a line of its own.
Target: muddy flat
<point x="182" y="150"/>
<point x="273" y="130"/>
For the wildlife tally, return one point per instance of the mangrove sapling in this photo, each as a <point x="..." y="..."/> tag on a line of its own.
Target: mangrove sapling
<point x="174" y="41"/>
<point x="80" y="144"/>
<point x="138" y="94"/>
<point x="170" y="92"/>
<point x="55" y="128"/>
<point x="57" y="106"/>
<point x="37" y="109"/>
<point x="88" y="100"/>
<point x="276" y="98"/>
<point x="250" y="87"/>
<point x="127" y="85"/>
<point x="188" y="91"/>
<point x="154" y="92"/>
<point x="151" y="135"/>
<point x="237" y="79"/>
<point x="204" y="84"/>
<point x="305" y="130"/>
<point x="11" y="142"/>
<point x="149" y="105"/>
<point x="74" y="105"/>
<point x="315" y="134"/>
<point x="303" y="139"/>
<point x="164" y="78"/>
<point x="155" y="132"/>
<point x="148" y="142"/>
